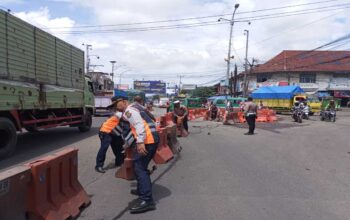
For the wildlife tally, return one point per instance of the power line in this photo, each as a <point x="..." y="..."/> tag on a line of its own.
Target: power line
<point x="291" y="29"/>
<point x="306" y="53"/>
<point x="194" y="18"/>
<point x="291" y="13"/>
<point x="208" y="23"/>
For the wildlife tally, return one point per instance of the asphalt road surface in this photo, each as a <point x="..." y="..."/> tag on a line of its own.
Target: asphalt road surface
<point x="286" y="171"/>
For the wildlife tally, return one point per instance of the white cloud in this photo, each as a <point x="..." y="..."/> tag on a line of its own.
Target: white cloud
<point x="42" y="19"/>
<point x="4" y="2"/>
<point x="193" y="49"/>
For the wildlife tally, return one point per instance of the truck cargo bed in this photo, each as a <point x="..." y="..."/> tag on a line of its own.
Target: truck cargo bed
<point x="28" y="54"/>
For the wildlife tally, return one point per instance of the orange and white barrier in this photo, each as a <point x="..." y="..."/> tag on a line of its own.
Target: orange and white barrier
<point x="54" y="191"/>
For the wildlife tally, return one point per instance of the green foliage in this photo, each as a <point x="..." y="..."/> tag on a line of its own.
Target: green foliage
<point x="203" y="92"/>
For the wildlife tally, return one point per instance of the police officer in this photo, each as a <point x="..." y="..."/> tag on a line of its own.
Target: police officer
<point x="250" y="112"/>
<point x="110" y="134"/>
<point x="147" y="139"/>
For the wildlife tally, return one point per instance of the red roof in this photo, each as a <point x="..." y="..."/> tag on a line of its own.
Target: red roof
<point x="307" y="61"/>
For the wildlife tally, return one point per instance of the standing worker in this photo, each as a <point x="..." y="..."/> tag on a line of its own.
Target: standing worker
<point x="110" y="134"/>
<point x="147" y="139"/>
<point x="250" y="112"/>
<point x="180" y="111"/>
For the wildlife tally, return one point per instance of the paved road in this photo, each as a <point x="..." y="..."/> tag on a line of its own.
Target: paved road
<point x="286" y="171"/>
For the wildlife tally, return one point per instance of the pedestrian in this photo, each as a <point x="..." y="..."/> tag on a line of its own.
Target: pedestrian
<point x="147" y="140"/>
<point x="213" y="109"/>
<point x="261" y="105"/>
<point x="180" y="112"/>
<point x="110" y="135"/>
<point x="167" y="107"/>
<point x="250" y="112"/>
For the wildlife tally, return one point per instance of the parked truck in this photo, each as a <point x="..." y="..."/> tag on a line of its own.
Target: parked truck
<point x="282" y="98"/>
<point x="42" y="83"/>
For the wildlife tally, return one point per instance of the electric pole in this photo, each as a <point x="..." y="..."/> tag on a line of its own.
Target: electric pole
<point x="113" y="62"/>
<point x="232" y="22"/>
<point x="246" y="32"/>
<point x="88" y="47"/>
<point x="180" y="82"/>
<point x="235" y="82"/>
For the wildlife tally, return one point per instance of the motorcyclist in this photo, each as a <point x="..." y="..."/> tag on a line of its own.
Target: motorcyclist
<point x="331" y="106"/>
<point x="295" y="106"/>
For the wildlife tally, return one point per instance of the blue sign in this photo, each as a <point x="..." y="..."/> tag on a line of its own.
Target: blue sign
<point x="151" y="87"/>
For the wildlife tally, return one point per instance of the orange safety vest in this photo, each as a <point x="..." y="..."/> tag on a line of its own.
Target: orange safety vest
<point x="110" y="124"/>
<point x="150" y="127"/>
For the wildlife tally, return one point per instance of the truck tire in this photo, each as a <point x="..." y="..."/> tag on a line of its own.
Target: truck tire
<point x="8" y="137"/>
<point x="86" y="126"/>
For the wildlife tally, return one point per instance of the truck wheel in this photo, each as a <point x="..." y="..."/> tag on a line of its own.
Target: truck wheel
<point x="87" y="123"/>
<point x="8" y="137"/>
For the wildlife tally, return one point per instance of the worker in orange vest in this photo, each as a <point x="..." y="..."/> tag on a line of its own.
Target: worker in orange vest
<point x="110" y="134"/>
<point x="147" y="140"/>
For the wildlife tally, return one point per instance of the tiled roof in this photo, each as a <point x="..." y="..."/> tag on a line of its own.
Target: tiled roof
<point x="307" y="61"/>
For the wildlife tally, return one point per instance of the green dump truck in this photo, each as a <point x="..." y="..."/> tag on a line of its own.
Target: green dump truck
<point x="42" y="83"/>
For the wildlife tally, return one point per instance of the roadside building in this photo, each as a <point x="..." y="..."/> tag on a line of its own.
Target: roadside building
<point x="319" y="73"/>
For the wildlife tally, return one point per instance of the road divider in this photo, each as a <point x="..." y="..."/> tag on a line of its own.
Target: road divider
<point x="13" y="193"/>
<point x="126" y="171"/>
<point x="54" y="191"/>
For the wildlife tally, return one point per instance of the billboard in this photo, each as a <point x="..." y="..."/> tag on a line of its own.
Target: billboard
<point x="153" y="87"/>
<point x="121" y="86"/>
<point x="189" y="86"/>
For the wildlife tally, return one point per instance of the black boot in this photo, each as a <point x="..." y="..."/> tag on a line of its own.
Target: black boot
<point x="100" y="169"/>
<point x="142" y="206"/>
<point x="134" y="192"/>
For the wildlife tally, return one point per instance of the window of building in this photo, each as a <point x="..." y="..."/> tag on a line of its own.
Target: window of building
<point x="308" y="78"/>
<point x="262" y="77"/>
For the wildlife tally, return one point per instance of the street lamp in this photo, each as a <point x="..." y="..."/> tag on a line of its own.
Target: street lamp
<point x="113" y="62"/>
<point x="229" y="45"/>
<point x="232" y="22"/>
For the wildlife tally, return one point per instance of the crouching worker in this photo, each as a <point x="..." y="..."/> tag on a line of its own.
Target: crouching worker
<point x="181" y="112"/>
<point x="147" y="139"/>
<point x="110" y="134"/>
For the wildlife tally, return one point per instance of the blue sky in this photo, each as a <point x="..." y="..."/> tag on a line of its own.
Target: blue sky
<point x="57" y="9"/>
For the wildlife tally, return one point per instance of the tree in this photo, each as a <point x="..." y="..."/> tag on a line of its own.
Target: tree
<point x="203" y="92"/>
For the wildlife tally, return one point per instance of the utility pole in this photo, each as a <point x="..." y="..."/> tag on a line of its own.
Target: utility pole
<point x="250" y="71"/>
<point x="246" y="32"/>
<point x="113" y="62"/>
<point x="88" y="47"/>
<point x="232" y="22"/>
<point x="231" y="84"/>
<point x="235" y="82"/>
<point x="180" y="83"/>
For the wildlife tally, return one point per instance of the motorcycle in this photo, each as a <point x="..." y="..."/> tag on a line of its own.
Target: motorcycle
<point x="329" y="115"/>
<point x="306" y="113"/>
<point x="298" y="115"/>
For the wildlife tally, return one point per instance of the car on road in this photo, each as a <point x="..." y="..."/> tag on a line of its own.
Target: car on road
<point x="163" y="102"/>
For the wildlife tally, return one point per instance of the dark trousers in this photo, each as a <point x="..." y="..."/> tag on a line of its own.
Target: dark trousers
<point x="185" y="122"/>
<point x="251" y="123"/>
<point x="213" y="115"/>
<point x="117" y="148"/>
<point x="144" y="184"/>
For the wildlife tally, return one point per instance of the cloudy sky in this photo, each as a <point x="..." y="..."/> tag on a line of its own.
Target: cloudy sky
<point x="165" y="39"/>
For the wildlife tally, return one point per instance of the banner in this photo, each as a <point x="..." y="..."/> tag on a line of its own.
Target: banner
<point x="151" y="87"/>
